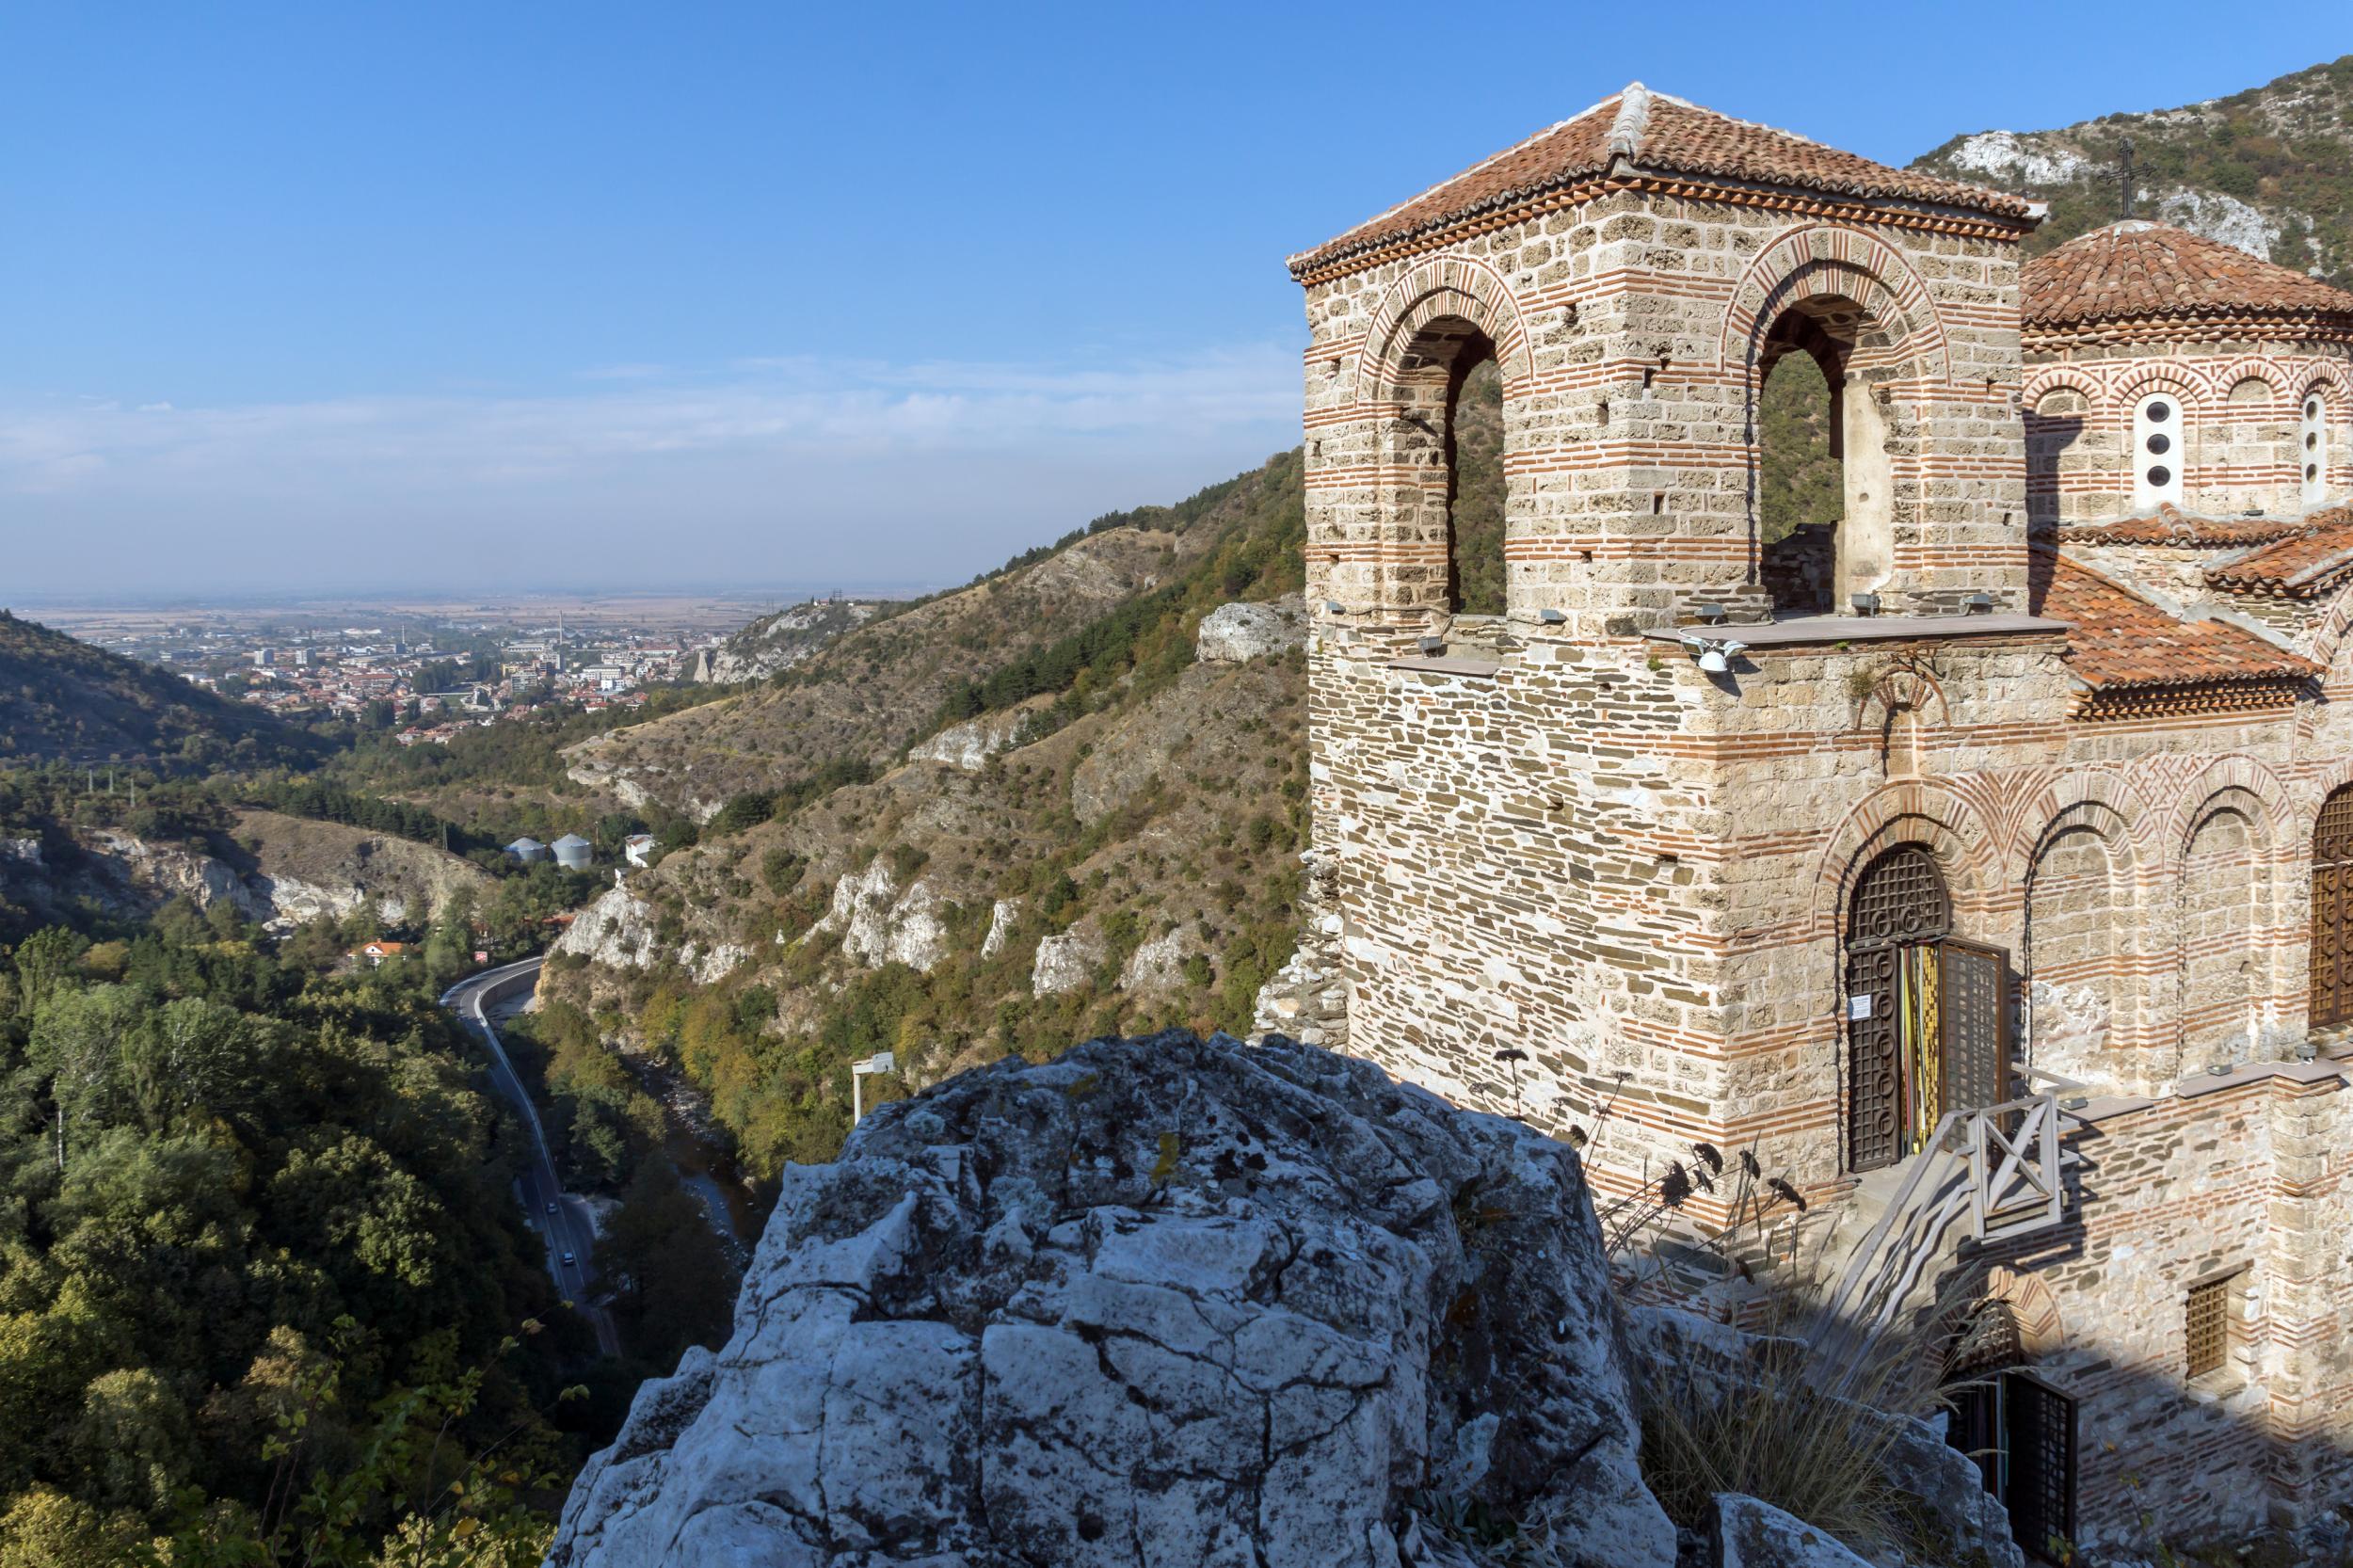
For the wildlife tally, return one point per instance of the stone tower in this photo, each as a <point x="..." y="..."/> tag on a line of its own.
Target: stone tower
<point x="1538" y="830"/>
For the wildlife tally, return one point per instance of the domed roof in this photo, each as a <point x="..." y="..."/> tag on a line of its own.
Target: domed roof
<point x="2141" y="271"/>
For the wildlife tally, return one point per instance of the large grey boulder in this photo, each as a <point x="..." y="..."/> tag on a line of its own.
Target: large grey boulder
<point x="1235" y="633"/>
<point x="1164" y="1300"/>
<point x="1752" y="1534"/>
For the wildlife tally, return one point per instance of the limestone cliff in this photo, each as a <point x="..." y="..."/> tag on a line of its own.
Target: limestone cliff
<point x="279" y="870"/>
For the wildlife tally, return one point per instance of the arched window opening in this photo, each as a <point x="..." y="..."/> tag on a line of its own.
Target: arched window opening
<point x="2312" y="448"/>
<point x="1475" y="517"/>
<point x="1825" y="481"/>
<point x="2159" y="450"/>
<point x="1800" y="491"/>
<point x="2332" y="912"/>
<point x="1450" y="436"/>
<point x="2054" y="426"/>
<point x="2018" y="1430"/>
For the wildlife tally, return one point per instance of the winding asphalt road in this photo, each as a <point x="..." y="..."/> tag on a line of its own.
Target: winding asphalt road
<point x="560" y="1217"/>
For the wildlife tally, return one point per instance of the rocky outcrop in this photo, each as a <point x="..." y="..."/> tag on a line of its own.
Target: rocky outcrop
<point x="616" y="931"/>
<point x="1066" y="962"/>
<point x="1158" y="964"/>
<point x="305" y="871"/>
<point x="880" y="924"/>
<point x="970" y="745"/>
<point x="1236" y="633"/>
<point x="1163" y="1301"/>
<point x="1001" y="917"/>
<point x="777" y="642"/>
<point x="277" y="871"/>
<point x="158" y="872"/>
<point x="1752" y="1534"/>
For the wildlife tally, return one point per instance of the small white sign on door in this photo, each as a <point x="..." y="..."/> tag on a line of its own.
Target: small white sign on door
<point x="1858" y="1006"/>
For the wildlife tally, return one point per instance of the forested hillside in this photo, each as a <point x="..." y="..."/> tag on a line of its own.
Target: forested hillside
<point x="60" y="698"/>
<point x="861" y="697"/>
<point x="1102" y="833"/>
<point x="2269" y="170"/>
<point x="264" y="1289"/>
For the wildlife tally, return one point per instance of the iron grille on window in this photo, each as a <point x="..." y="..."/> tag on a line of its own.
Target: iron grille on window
<point x="2208" y="1331"/>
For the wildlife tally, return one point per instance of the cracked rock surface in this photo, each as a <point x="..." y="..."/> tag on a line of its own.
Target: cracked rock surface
<point x="1163" y="1301"/>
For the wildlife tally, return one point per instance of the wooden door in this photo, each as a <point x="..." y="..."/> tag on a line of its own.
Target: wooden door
<point x="2333" y="911"/>
<point x="1898" y="901"/>
<point x="1973" y="997"/>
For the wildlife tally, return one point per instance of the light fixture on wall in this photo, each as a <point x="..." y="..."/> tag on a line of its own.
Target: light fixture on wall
<point x="1711" y="614"/>
<point x="1866" y="604"/>
<point x="1715" y="658"/>
<point x="1432" y="646"/>
<point x="1332" y="607"/>
<point x="1552" y="617"/>
<point x="1980" y="604"/>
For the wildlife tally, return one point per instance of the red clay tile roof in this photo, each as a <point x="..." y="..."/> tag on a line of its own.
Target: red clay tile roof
<point x="2117" y="640"/>
<point x="2173" y="526"/>
<point x="1659" y="135"/>
<point x="2136" y="270"/>
<point x="2315" y="558"/>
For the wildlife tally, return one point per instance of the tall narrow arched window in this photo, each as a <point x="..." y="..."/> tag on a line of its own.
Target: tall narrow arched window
<point x="2312" y="447"/>
<point x="2054" y="426"/>
<point x="1898" y="908"/>
<point x="1449" y="437"/>
<point x="1824" y="482"/>
<point x="1800" y="485"/>
<point x="2160" y="447"/>
<point x="1475" y="514"/>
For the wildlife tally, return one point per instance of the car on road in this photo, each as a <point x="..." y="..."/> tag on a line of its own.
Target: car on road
<point x="567" y="1261"/>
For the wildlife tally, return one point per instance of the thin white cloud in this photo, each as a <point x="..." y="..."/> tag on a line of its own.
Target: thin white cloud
<point x="792" y="440"/>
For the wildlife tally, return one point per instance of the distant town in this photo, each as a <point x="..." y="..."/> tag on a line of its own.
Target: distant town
<point x="428" y="672"/>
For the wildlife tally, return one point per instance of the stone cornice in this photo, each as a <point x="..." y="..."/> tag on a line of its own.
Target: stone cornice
<point x="1309" y="270"/>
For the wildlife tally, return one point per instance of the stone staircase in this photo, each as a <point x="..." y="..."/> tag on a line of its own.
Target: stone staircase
<point x="1986" y="1176"/>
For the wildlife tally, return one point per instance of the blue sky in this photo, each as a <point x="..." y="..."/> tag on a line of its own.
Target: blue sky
<point x="334" y="297"/>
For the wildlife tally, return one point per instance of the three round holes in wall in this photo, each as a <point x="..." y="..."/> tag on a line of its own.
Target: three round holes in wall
<point x="2158" y="444"/>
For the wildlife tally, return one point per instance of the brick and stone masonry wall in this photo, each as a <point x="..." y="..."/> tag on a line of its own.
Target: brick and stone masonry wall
<point x="2240" y="405"/>
<point x="2246" y="1183"/>
<point x="1578" y="847"/>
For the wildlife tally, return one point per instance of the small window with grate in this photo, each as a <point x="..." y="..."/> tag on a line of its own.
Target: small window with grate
<point x="2210" y="1326"/>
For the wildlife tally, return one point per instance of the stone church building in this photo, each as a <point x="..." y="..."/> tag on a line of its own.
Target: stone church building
<point x="1982" y="862"/>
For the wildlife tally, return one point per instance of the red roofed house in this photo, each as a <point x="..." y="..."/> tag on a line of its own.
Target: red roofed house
<point x="1981" y="863"/>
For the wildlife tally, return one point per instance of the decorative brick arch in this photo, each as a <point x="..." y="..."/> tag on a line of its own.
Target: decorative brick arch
<point x="1445" y="287"/>
<point x="2051" y="378"/>
<point x="2038" y="816"/>
<point x="2312" y="789"/>
<point x="1926" y="810"/>
<point x="1817" y="259"/>
<point x="2225" y="778"/>
<point x="2327" y="643"/>
<point x="2313" y="374"/>
<point x="2042" y="1332"/>
<point x="2184" y="381"/>
<point x="2225" y="378"/>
